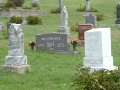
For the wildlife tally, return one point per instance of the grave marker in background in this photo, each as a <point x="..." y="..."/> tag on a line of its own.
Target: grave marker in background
<point x="87" y="5"/>
<point x="35" y="1"/>
<point x="60" y="4"/>
<point x="98" y="49"/>
<point x="81" y="29"/>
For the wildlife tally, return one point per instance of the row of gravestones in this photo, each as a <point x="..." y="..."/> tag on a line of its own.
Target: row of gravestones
<point x="97" y="45"/>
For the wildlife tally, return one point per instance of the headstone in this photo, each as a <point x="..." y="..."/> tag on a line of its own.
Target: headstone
<point x="9" y="24"/>
<point x="0" y="1"/>
<point x="24" y="22"/>
<point x="81" y="29"/>
<point x="91" y="19"/>
<point x="64" y="21"/>
<point x="16" y="58"/>
<point x="60" y="4"/>
<point x="118" y="14"/>
<point x="1" y="26"/>
<point x="58" y="42"/>
<point x="98" y="49"/>
<point x="87" y="5"/>
<point x="35" y="1"/>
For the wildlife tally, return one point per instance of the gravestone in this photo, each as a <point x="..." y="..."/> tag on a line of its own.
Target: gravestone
<point x="81" y="29"/>
<point x="59" y="42"/>
<point x="60" y="4"/>
<point x="0" y="1"/>
<point x="16" y="61"/>
<point x="98" y="49"/>
<point x="1" y="26"/>
<point x="91" y="19"/>
<point x="35" y="1"/>
<point x="64" y="21"/>
<point x="87" y="5"/>
<point x="118" y="14"/>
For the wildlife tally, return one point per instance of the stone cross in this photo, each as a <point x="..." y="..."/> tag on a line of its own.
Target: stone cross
<point x="60" y="4"/>
<point x="35" y="1"/>
<point x="87" y="4"/>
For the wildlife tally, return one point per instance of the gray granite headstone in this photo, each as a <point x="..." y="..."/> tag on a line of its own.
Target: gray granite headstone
<point x="64" y="21"/>
<point x="60" y="4"/>
<point x="118" y="14"/>
<point x="35" y="1"/>
<point x="59" y="42"/>
<point x="16" y="46"/>
<point x="91" y="19"/>
<point x="87" y="5"/>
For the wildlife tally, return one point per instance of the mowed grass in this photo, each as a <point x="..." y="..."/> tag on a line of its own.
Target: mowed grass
<point x="54" y="71"/>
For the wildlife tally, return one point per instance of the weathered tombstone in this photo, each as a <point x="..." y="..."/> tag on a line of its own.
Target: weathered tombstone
<point x="118" y="14"/>
<point x="24" y="22"/>
<point x="9" y="24"/>
<point x="87" y="5"/>
<point x="1" y="26"/>
<point x="53" y="41"/>
<point x="81" y="29"/>
<point x="60" y="4"/>
<point x="16" y="61"/>
<point x="91" y="19"/>
<point x="64" y="21"/>
<point x="35" y="1"/>
<point x="98" y="49"/>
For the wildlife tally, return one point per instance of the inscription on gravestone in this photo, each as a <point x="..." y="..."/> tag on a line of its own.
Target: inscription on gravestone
<point x="53" y="41"/>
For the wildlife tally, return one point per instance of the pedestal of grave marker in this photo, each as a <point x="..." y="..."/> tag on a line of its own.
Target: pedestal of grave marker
<point x="98" y="49"/>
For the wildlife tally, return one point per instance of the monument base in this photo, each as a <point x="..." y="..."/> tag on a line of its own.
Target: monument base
<point x="21" y="69"/>
<point x="15" y="60"/>
<point x="63" y="29"/>
<point x="117" y="26"/>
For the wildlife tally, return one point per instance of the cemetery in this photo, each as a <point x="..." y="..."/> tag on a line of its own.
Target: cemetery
<point x="67" y="50"/>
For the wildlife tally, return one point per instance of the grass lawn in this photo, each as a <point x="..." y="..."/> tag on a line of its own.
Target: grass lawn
<point x="54" y="71"/>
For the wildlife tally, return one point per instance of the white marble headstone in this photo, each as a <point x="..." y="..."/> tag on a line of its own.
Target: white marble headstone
<point x="16" y="46"/>
<point x="98" y="48"/>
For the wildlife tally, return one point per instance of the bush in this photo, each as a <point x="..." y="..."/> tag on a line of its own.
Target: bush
<point x="33" y="20"/>
<point x="58" y="10"/>
<point x="35" y="5"/>
<point x="75" y="27"/>
<point x="15" y="19"/>
<point x="100" y="17"/>
<point x="98" y="80"/>
<point x="26" y="7"/>
<point x="83" y="9"/>
<point x="9" y="5"/>
<point x="18" y="3"/>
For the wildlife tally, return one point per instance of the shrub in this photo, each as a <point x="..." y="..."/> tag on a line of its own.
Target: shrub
<point x="74" y="27"/>
<point x="83" y="9"/>
<point x="26" y="7"/>
<point x="100" y="17"/>
<point x="9" y="5"/>
<point x="58" y="10"/>
<point x="18" y="3"/>
<point x="33" y="20"/>
<point x="15" y="19"/>
<point x="35" y="5"/>
<point x="98" y="80"/>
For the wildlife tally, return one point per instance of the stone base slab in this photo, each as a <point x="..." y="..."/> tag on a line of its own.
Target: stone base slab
<point x="63" y="29"/>
<point x="98" y="61"/>
<point x="15" y="60"/>
<point x="21" y="69"/>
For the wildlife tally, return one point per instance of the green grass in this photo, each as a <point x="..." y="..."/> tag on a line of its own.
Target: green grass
<point x="54" y="71"/>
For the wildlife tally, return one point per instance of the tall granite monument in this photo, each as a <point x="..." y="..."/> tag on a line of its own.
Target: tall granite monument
<point x="64" y="21"/>
<point x="16" y="61"/>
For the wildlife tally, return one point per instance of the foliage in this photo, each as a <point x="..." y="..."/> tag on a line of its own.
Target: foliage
<point x="58" y="10"/>
<point x="18" y="3"/>
<point x="33" y="20"/>
<point x="26" y="7"/>
<point x="100" y="17"/>
<point x="15" y="19"/>
<point x="74" y="27"/>
<point x="35" y="5"/>
<point x="9" y="5"/>
<point x="74" y="41"/>
<point x="31" y="43"/>
<point x="102" y="79"/>
<point x="83" y="9"/>
<point x="5" y="34"/>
